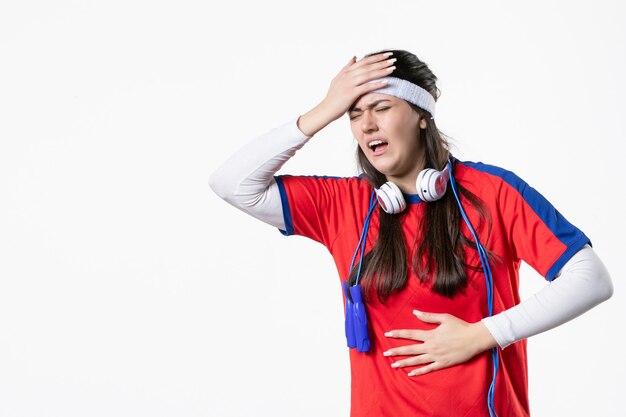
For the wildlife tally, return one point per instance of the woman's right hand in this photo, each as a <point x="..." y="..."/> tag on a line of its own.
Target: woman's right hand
<point x="352" y="82"/>
<point x="347" y="86"/>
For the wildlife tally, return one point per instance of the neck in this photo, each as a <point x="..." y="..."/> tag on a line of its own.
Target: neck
<point x="406" y="182"/>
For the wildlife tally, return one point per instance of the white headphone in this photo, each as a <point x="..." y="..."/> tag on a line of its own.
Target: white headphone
<point x="431" y="186"/>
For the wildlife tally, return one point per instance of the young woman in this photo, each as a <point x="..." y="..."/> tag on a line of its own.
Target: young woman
<point x="427" y="247"/>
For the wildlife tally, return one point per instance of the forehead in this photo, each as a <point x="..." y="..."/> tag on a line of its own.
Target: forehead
<point x="369" y="98"/>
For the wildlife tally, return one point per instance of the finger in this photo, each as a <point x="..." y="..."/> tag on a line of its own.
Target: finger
<point x="420" y="335"/>
<point x="372" y="59"/>
<point x="352" y="61"/>
<point x="375" y="70"/>
<point x="368" y="86"/>
<point x="374" y="65"/>
<point x="424" y="369"/>
<point x="365" y="76"/>
<point x="406" y="350"/>
<point x="367" y="83"/>
<point x="416" y="360"/>
<point x="431" y="317"/>
<point x="360" y="77"/>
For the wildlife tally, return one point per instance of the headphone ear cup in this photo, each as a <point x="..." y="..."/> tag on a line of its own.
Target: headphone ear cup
<point x="439" y="186"/>
<point x="390" y="198"/>
<point x="431" y="184"/>
<point x="422" y="184"/>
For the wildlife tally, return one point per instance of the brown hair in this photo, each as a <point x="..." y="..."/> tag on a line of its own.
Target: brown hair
<point x="441" y="250"/>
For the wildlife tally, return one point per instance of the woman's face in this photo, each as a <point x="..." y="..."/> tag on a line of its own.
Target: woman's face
<point x="387" y="130"/>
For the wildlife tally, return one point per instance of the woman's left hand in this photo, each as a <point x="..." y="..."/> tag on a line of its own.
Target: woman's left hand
<point x="454" y="341"/>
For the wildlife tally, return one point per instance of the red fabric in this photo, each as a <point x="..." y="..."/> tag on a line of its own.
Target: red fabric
<point x="332" y="211"/>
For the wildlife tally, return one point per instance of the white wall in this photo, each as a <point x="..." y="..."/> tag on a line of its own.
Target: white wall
<point x="128" y="288"/>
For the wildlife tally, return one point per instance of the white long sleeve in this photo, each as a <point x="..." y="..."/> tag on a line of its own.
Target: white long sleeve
<point x="246" y="179"/>
<point x="584" y="283"/>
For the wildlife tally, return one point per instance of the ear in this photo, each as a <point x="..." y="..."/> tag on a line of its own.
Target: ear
<point x="423" y="123"/>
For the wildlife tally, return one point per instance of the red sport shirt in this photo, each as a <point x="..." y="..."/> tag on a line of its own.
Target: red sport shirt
<point x="525" y="226"/>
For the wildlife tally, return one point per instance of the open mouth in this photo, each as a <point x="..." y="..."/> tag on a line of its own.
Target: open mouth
<point x="378" y="146"/>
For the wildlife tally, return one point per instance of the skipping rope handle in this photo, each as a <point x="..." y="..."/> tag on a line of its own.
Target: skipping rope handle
<point x="350" y="335"/>
<point x="357" y="333"/>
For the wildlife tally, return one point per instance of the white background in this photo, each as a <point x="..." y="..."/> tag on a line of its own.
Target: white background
<point x="127" y="288"/>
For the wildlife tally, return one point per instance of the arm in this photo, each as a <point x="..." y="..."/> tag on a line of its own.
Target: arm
<point x="584" y="283"/>
<point x="246" y="180"/>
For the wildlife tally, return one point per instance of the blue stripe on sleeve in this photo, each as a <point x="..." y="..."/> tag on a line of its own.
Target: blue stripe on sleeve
<point x="572" y="237"/>
<point x="286" y="211"/>
<point x="569" y="252"/>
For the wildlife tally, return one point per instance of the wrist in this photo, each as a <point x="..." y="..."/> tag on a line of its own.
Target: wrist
<point x="483" y="339"/>
<point x="314" y="120"/>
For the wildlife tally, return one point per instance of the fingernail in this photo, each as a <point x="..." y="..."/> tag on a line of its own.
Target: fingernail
<point x="395" y="365"/>
<point x="388" y="53"/>
<point x="411" y="373"/>
<point x="418" y="313"/>
<point x="388" y="353"/>
<point x="389" y="334"/>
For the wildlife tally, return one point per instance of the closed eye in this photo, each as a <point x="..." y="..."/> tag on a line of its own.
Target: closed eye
<point x="377" y="110"/>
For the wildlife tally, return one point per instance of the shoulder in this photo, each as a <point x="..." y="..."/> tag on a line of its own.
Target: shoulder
<point x="355" y="182"/>
<point x="481" y="172"/>
<point x="325" y="187"/>
<point x="510" y="191"/>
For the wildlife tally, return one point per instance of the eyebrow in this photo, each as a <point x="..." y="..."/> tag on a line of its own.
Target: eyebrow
<point x="369" y="106"/>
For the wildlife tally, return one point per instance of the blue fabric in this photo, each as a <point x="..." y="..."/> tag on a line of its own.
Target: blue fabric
<point x="286" y="211"/>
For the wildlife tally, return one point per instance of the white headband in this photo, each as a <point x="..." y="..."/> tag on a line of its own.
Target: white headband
<point x="408" y="91"/>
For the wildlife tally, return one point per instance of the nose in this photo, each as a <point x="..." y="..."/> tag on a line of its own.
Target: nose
<point x="368" y="121"/>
